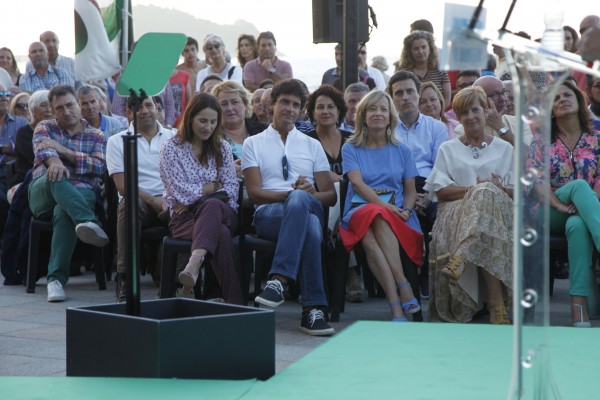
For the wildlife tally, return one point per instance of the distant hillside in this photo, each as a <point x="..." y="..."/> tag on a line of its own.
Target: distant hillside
<point x="157" y="19"/>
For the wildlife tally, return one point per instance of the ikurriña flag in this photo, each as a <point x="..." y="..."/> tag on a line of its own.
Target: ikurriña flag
<point x="96" y="48"/>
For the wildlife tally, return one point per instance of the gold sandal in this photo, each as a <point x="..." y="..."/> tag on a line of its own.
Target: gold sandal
<point x="189" y="275"/>
<point x="501" y="316"/>
<point x="454" y="268"/>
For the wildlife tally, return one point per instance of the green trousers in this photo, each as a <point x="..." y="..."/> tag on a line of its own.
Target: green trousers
<point x="582" y="231"/>
<point x="67" y="206"/>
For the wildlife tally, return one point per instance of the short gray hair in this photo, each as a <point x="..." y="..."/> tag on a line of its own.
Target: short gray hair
<point x="37" y="98"/>
<point x="357" y="87"/>
<point x="87" y="89"/>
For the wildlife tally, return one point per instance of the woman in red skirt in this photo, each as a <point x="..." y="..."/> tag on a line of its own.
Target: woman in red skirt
<point x="380" y="200"/>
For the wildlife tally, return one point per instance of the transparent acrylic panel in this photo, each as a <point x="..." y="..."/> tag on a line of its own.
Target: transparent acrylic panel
<point x="535" y="83"/>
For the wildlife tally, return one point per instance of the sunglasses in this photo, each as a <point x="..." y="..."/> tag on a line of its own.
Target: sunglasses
<point x="22" y="106"/>
<point x="284" y="165"/>
<point x="216" y="46"/>
<point x="464" y="85"/>
<point x="5" y="94"/>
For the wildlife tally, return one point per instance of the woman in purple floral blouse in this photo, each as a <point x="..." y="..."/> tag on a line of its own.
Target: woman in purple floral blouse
<point x="197" y="162"/>
<point x="575" y="182"/>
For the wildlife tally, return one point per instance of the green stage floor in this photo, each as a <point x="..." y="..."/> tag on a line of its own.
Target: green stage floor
<point x="369" y="360"/>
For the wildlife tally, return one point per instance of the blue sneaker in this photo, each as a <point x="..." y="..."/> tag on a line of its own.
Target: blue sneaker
<point x="273" y="294"/>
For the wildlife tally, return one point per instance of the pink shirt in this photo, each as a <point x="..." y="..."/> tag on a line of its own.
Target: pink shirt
<point x="183" y="176"/>
<point x="254" y="73"/>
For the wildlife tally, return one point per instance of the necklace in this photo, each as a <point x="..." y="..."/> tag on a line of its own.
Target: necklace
<point x="475" y="149"/>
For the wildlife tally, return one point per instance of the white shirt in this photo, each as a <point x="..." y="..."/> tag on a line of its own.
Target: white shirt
<point x="377" y="77"/>
<point x="455" y="165"/>
<point x="235" y="76"/>
<point x="148" y="156"/>
<point x="305" y="156"/>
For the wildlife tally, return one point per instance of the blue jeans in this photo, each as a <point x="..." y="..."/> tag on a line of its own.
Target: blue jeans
<point x="296" y="226"/>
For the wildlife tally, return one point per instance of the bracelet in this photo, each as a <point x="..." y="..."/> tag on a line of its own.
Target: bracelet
<point x="410" y="211"/>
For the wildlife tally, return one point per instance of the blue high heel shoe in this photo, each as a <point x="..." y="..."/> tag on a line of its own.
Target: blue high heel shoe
<point x="398" y="319"/>
<point x="412" y="306"/>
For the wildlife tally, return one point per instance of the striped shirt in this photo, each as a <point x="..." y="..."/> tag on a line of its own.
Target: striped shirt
<point x="436" y="76"/>
<point x="89" y="146"/>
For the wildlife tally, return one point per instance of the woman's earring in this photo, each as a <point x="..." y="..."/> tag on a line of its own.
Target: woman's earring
<point x="364" y="130"/>
<point x="388" y="131"/>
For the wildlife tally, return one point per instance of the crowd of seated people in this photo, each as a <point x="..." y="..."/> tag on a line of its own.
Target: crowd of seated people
<point x="426" y="154"/>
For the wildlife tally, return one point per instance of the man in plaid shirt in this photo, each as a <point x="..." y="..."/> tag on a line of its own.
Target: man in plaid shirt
<point x="69" y="161"/>
<point x="43" y="75"/>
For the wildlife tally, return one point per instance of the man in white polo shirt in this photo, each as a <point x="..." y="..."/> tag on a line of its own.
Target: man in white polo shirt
<point x="153" y="211"/>
<point x="283" y="169"/>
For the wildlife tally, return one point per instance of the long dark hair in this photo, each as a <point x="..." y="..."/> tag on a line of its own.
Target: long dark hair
<point x="584" y="115"/>
<point x="212" y="146"/>
<point x="252" y="41"/>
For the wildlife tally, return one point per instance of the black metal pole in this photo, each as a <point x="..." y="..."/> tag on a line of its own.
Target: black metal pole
<point x="350" y="45"/>
<point x="131" y="214"/>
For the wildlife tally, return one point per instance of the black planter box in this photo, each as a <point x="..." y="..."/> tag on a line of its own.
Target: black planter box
<point x="172" y="338"/>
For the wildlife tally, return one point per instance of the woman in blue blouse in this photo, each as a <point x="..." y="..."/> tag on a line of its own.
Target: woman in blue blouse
<point x="575" y="188"/>
<point x="373" y="159"/>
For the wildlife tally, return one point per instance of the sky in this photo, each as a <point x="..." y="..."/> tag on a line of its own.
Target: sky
<point x="290" y="21"/>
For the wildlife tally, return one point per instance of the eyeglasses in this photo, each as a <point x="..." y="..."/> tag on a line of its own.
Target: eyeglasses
<point x="497" y="95"/>
<point x="22" y="106"/>
<point x="5" y="94"/>
<point x="215" y="46"/>
<point x="284" y="165"/>
<point x="582" y="30"/>
<point x="465" y="85"/>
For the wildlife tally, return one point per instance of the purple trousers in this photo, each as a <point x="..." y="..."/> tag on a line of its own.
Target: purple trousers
<point x="210" y="227"/>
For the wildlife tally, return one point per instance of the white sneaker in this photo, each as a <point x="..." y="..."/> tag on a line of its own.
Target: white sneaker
<point x="55" y="292"/>
<point x="91" y="233"/>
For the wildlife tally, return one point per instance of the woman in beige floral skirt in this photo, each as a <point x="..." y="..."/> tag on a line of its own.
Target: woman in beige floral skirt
<point x="471" y="251"/>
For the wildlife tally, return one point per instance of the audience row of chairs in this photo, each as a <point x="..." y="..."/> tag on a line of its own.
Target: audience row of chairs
<point x="334" y="264"/>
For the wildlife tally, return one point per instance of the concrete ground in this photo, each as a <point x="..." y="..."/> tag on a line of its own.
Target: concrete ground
<point x="33" y="334"/>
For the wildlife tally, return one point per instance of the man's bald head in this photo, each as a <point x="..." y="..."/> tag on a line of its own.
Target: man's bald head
<point x="38" y="54"/>
<point x="588" y="22"/>
<point x="494" y="90"/>
<point x="50" y="39"/>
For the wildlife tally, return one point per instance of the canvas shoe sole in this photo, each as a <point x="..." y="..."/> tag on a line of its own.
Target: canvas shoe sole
<point x="91" y="233"/>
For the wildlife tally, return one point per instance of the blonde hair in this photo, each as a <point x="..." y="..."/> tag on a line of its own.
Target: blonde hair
<point x="431" y="85"/>
<point x="361" y="132"/>
<point x="466" y="97"/>
<point x="234" y="87"/>
<point x="15" y="100"/>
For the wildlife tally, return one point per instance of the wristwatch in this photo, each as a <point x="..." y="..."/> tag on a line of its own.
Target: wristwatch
<point x="503" y="131"/>
<point x="272" y="70"/>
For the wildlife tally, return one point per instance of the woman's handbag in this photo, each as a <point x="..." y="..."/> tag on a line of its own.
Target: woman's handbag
<point x="219" y="195"/>
<point x="388" y="196"/>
